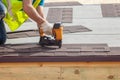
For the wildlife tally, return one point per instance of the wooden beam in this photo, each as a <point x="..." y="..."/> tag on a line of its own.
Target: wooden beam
<point x="61" y="64"/>
<point x="60" y="71"/>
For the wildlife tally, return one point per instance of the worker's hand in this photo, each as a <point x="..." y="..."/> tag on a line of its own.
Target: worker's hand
<point x="47" y="28"/>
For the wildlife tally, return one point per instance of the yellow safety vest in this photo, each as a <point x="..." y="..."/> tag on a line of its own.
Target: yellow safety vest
<point x="15" y="15"/>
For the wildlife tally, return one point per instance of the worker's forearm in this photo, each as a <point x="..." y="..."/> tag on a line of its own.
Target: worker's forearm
<point x="32" y="13"/>
<point x="40" y="11"/>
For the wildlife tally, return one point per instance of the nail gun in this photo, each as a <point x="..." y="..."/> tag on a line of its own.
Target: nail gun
<point x="56" y="39"/>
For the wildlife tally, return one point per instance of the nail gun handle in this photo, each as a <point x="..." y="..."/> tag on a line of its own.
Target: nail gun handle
<point x="58" y="31"/>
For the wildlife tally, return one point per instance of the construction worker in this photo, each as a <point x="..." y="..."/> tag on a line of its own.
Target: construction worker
<point x="34" y="13"/>
<point x="2" y="27"/>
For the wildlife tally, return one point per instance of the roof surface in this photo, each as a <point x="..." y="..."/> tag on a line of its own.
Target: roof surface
<point x="91" y="33"/>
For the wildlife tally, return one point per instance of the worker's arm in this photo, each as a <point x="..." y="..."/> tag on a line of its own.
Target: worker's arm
<point x="40" y="11"/>
<point x="32" y="12"/>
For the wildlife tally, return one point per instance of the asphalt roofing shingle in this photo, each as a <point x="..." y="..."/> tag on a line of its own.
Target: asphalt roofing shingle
<point x="68" y="52"/>
<point x="110" y="10"/>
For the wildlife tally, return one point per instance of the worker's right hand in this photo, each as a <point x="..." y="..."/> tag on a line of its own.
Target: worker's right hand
<point x="47" y="28"/>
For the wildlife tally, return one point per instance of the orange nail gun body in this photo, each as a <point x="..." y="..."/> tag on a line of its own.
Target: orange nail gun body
<point x="57" y="36"/>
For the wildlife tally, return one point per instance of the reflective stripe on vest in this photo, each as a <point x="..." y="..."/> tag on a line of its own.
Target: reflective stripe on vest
<point x="15" y="15"/>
